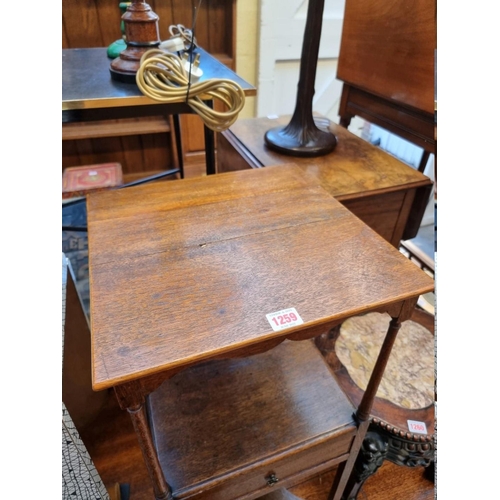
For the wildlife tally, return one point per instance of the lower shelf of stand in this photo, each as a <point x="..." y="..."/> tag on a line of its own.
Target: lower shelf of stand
<point x="225" y="429"/>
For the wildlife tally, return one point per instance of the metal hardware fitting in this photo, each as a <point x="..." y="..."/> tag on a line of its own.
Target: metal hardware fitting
<point x="271" y="479"/>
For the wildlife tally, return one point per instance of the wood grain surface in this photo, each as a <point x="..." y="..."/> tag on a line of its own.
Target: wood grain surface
<point x="222" y="427"/>
<point x="387" y="48"/>
<point x="382" y="191"/>
<point x="354" y="168"/>
<point x="184" y="271"/>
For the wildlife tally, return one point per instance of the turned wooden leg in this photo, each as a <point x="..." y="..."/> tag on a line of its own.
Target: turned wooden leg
<point x="345" y="121"/>
<point x="364" y="409"/>
<point x="345" y="468"/>
<point x="132" y="397"/>
<point x="161" y="488"/>
<point x="363" y="412"/>
<point x="423" y="161"/>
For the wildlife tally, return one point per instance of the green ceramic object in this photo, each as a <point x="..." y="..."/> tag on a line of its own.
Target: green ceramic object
<point x="117" y="46"/>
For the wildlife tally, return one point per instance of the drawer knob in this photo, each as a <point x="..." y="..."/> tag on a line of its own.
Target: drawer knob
<point x="271" y="479"/>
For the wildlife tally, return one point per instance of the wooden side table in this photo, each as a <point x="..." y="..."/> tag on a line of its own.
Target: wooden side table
<point x="195" y="284"/>
<point x="386" y="194"/>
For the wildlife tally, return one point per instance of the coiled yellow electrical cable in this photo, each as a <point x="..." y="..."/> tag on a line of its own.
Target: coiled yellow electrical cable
<point x="163" y="77"/>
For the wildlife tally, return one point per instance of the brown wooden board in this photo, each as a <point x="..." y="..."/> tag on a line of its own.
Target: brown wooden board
<point x="385" y="193"/>
<point x="187" y="270"/>
<point x="223" y="427"/>
<point x="387" y="48"/>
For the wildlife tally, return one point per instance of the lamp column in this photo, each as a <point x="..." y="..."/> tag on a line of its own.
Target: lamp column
<point x="301" y="137"/>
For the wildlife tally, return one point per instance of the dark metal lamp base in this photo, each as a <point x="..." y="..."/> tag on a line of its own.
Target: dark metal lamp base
<point x="300" y="142"/>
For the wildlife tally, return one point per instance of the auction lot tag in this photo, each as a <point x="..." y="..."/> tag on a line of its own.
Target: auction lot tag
<point x="286" y="318"/>
<point x="418" y="427"/>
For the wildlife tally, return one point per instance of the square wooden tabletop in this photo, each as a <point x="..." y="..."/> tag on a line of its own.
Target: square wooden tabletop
<point x="184" y="271"/>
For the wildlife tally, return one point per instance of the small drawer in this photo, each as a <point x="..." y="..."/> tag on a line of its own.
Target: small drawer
<point x="295" y="466"/>
<point x="223" y="428"/>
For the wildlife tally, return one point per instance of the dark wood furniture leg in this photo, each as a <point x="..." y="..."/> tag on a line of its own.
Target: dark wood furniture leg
<point x="384" y="442"/>
<point x="423" y="161"/>
<point x="371" y="456"/>
<point x="363" y="412"/>
<point x="209" y="145"/>
<point x="178" y="143"/>
<point x="132" y="397"/>
<point x="345" y="117"/>
<point x="161" y="488"/>
<point x="345" y="121"/>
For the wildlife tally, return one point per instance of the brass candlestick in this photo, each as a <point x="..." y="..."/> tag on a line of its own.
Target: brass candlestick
<point x="141" y="34"/>
<point x="301" y="137"/>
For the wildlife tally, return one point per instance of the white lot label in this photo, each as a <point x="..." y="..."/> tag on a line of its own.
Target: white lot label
<point x="284" y="319"/>
<point x="418" y="427"/>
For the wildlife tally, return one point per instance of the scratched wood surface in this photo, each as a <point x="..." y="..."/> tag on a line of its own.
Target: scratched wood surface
<point x="184" y="271"/>
<point x="382" y="191"/>
<point x="355" y="168"/>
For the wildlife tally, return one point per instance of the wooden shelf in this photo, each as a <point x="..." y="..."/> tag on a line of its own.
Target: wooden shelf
<point x="115" y="128"/>
<point x="276" y="416"/>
